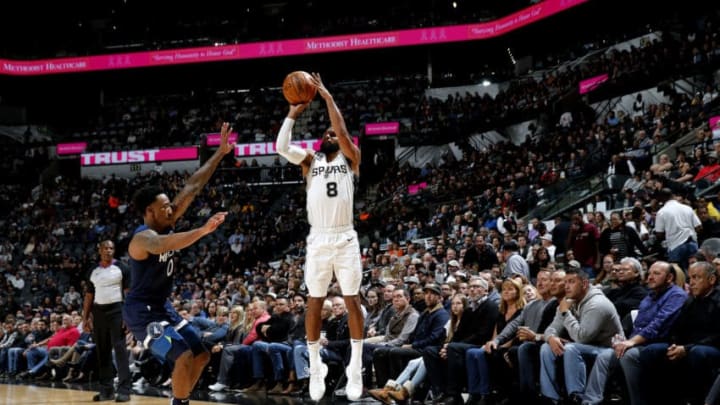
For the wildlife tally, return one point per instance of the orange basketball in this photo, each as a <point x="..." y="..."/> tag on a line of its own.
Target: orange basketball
<point x="298" y="87"/>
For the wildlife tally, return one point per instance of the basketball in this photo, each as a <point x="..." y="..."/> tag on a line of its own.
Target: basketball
<point x="298" y="87"/>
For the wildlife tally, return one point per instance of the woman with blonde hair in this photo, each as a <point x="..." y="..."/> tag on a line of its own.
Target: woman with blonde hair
<point x="511" y="303"/>
<point x="249" y="318"/>
<point x="237" y="320"/>
<point x="237" y="331"/>
<point x="680" y="280"/>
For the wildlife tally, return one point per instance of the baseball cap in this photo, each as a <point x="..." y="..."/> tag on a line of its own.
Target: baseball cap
<point x="432" y="287"/>
<point x="547" y="237"/>
<point x="483" y="283"/>
<point x="411" y="279"/>
<point x="454" y="263"/>
<point x="574" y="264"/>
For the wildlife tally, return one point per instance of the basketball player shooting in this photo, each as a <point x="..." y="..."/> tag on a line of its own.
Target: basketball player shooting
<point x="332" y="244"/>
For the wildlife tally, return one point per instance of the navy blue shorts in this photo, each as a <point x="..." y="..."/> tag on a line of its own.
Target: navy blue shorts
<point x="138" y="315"/>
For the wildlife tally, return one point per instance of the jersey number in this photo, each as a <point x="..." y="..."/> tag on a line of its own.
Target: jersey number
<point x="170" y="268"/>
<point x="332" y="189"/>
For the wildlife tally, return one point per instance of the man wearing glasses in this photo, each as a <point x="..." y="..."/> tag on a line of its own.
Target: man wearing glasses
<point x="630" y="291"/>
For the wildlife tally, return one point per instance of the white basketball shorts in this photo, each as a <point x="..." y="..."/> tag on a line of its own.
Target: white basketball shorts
<point x="331" y="253"/>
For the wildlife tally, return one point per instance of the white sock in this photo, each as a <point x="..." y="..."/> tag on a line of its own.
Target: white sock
<point x="356" y="349"/>
<point x="314" y="353"/>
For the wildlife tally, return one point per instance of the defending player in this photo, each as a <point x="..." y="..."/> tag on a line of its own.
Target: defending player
<point x="147" y="311"/>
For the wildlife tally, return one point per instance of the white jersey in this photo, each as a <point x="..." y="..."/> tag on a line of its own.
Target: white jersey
<point x="330" y="189"/>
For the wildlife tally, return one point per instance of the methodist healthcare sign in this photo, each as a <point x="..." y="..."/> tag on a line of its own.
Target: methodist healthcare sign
<point x="304" y="46"/>
<point x="138" y="156"/>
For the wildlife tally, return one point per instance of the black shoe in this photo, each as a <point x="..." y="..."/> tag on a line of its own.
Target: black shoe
<point x="122" y="397"/>
<point x="575" y="399"/>
<point x="103" y="396"/>
<point x="439" y="399"/>
<point x="543" y="400"/>
<point x="258" y="386"/>
<point x="453" y="401"/>
<point x="43" y="376"/>
<point x="78" y="378"/>
<point x="478" y="400"/>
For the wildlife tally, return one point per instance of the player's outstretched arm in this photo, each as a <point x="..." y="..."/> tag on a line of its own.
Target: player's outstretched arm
<point x="198" y="180"/>
<point x="150" y="242"/>
<point x="347" y="147"/>
<point x="284" y="148"/>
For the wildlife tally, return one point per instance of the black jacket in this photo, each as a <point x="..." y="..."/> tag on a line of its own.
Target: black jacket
<point x="279" y="330"/>
<point x="698" y="322"/>
<point x="298" y="330"/>
<point x="338" y="334"/>
<point x="626" y="297"/>
<point x="477" y="326"/>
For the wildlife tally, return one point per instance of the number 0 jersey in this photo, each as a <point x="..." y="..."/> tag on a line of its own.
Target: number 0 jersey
<point x="151" y="279"/>
<point x="330" y="188"/>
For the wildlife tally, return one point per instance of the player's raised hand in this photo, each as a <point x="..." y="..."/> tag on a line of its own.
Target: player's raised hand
<point x="322" y="90"/>
<point x="216" y="220"/>
<point x="225" y="145"/>
<point x="297" y="109"/>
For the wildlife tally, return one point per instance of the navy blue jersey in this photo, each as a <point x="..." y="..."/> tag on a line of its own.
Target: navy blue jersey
<point x="151" y="279"/>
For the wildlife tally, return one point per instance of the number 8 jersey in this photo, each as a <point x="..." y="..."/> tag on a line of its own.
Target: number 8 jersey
<point x="330" y="188"/>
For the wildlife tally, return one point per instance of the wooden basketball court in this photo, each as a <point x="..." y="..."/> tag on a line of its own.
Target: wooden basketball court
<point x="29" y="394"/>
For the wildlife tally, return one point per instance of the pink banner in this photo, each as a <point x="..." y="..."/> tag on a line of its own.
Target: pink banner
<point x="269" y="49"/>
<point x="138" y="156"/>
<point x="382" y="128"/>
<point x="268" y="148"/>
<point x="214" y="139"/>
<point x="415" y="188"/>
<point x="592" y="83"/>
<point x="70" y="148"/>
<point x="714" y="122"/>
